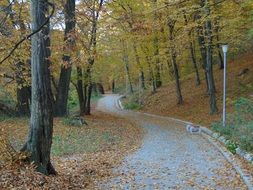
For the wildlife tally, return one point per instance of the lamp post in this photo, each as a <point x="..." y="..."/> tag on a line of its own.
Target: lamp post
<point x="225" y="50"/>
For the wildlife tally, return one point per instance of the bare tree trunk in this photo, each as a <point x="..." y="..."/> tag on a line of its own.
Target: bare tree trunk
<point x="150" y="70"/>
<point x="171" y="24"/>
<point x="92" y="48"/>
<point x="113" y="86"/>
<point x="156" y="49"/>
<point x="201" y="41"/>
<point x="64" y="81"/>
<point x="80" y="90"/>
<point x="176" y="75"/>
<point x="39" y="140"/>
<point x="7" y="110"/>
<point x="89" y="89"/>
<point x="221" y="64"/>
<point x="126" y="62"/>
<point x="141" y="73"/>
<point x="23" y="100"/>
<point x="194" y="62"/>
<point x="192" y="52"/>
<point x="209" y="64"/>
<point x="216" y="30"/>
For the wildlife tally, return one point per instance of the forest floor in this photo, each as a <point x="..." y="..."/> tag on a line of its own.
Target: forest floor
<point x="81" y="155"/>
<point x="196" y="100"/>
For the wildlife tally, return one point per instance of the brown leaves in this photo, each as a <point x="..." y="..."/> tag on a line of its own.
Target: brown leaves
<point x="79" y="170"/>
<point x="196" y="100"/>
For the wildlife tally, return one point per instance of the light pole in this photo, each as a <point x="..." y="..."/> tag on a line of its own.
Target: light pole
<point x="225" y="50"/>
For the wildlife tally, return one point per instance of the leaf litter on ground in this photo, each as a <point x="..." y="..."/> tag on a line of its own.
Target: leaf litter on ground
<point x="91" y="153"/>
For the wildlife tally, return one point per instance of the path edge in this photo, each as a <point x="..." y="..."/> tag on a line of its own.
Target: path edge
<point x="211" y="137"/>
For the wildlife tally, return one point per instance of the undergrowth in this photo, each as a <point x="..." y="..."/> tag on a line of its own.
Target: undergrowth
<point x="239" y="125"/>
<point x="133" y="102"/>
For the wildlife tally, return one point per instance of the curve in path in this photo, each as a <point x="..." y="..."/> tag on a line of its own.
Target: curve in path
<point x="169" y="158"/>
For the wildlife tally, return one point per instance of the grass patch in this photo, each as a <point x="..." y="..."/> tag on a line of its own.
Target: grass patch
<point x="132" y="106"/>
<point x="4" y="117"/>
<point x="133" y="102"/>
<point x="95" y="98"/>
<point x="103" y="132"/>
<point x="77" y="142"/>
<point x="239" y="126"/>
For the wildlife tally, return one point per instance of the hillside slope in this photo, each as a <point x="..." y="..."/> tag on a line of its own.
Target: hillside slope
<point x="196" y="100"/>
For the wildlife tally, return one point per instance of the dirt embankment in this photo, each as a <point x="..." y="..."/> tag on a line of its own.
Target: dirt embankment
<point x="196" y="100"/>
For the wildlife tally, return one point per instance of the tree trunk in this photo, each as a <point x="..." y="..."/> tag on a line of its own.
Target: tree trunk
<point x="171" y="24"/>
<point x="221" y="64"/>
<point x="39" y="140"/>
<point x="176" y="75"/>
<point x="194" y="62"/>
<point x="80" y="90"/>
<point x="126" y="62"/>
<point x="88" y="90"/>
<point x="216" y="30"/>
<point x="64" y="81"/>
<point x="113" y="86"/>
<point x="201" y="41"/>
<point x="141" y="73"/>
<point x="192" y="52"/>
<point x="7" y="110"/>
<point x="209" y="64"/>
<point x="88" y="87"/>
<point x="150" y="70"/>
<point x="23" y="100"/>
<point x="158" y="80"/>
<point x="23" y="90"/>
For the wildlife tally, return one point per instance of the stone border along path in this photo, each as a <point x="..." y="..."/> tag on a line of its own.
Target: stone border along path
<point x="215" y="139"/>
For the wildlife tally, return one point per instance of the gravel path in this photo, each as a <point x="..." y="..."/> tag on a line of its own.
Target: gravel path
<point x="170" y="158"/>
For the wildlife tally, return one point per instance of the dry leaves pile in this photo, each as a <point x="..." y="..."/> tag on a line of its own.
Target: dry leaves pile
<point x="78" y="170"/>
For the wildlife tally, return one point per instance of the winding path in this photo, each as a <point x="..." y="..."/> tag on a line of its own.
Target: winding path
<point x="169" y="158"/>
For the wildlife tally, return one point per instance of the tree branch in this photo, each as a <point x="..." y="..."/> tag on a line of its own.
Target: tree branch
<point x="30" y="35"/>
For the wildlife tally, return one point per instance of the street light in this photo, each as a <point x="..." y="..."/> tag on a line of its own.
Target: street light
<point x="225" y="50"/>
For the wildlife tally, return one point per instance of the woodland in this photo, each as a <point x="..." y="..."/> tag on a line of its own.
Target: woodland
<point x="57" y="57"/>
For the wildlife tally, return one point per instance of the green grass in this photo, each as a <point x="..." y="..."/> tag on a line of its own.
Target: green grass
<point x="3" y="117"/>
<point x="132" y="106"/>
<point x="95" y="98"/>
<point x="81" y="141"/>
<point x="133" y="101"/>
<point x="239" y="126"/>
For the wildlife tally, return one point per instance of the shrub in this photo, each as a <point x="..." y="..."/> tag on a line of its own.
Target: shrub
<point x="239" y="125"/>
<point x="132" y="106"/>
<point x="133" y="102"/>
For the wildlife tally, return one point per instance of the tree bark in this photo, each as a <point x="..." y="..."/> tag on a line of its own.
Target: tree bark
<point x="150" y="70"/>
<point x="194" y="62"/>
<point x="176" y="75"/>
<point x="7" y="110"/>
<point x="209" y="64"/>
<point x="171" y="24"/>
<point x="80" y="90"/>
<point x="23" y="90"/>
<point x="201" y="41"/>
<point x="192" y="52"/>
<point x="64" y="81"/>
<point x="141" y="73"/>
<point x="23" y="100"/>
<point x="129" y="85"/>
<point x="156" y="48"/>
<point x="39" y="140"/>
<point x="221" y="64"/>
<point x="113" y="86"/>
<point x="92" y="47"/>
